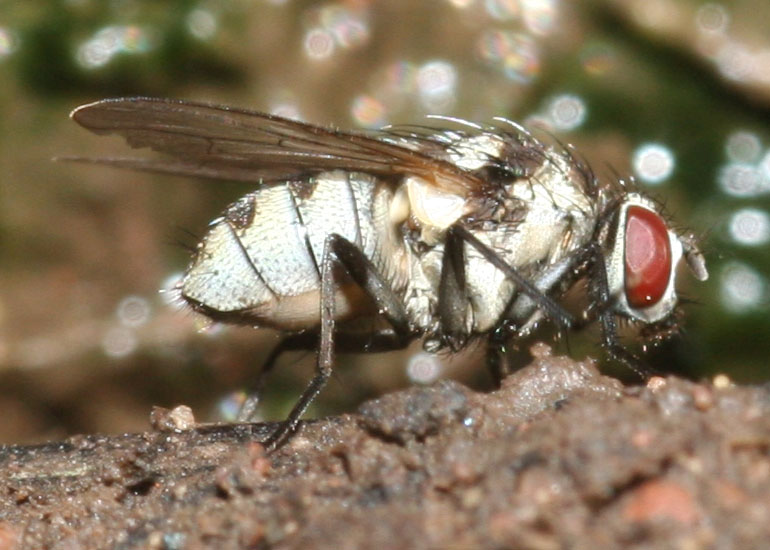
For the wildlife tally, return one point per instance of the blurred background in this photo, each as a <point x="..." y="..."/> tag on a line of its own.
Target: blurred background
<point x="675" y="93"/>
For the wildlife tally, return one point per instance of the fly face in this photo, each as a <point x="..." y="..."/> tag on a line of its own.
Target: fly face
<point x="442" y="234"/>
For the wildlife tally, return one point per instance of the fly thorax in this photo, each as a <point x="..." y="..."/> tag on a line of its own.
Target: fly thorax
<point x="421" y="294"/>
<point x="488" y="289"/>
<point x="543" y="220"/>
<point x="475" y="152"/>
<point x="427" y="212"/>
<point x="559" y="215"/>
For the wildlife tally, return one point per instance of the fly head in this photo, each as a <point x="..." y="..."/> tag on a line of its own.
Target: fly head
<point x="641" y="257"/>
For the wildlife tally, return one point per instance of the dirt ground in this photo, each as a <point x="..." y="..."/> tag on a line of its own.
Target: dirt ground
<point x="559" y="457"/>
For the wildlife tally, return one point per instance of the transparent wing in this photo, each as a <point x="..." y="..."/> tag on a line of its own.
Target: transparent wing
<point x="227" y="143"/>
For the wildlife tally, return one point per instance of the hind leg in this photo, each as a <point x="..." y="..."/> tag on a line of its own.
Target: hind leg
<point x="340" y="251"/>
<point x="380" y="341"/>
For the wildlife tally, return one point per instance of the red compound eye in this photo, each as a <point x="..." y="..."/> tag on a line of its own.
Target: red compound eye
<point x="648" y="257"/>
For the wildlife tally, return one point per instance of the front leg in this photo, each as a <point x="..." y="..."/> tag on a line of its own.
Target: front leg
<point x="592" y="255"/>
<point x="600" y="290"/>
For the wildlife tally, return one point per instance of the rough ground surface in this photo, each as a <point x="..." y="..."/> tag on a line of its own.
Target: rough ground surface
<point x="559" y="457"/>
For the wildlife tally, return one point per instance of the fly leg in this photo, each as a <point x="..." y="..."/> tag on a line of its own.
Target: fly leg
<point x="555" y="311"/>
<point x="340" y="251"/>
<point x="540" y="300"/>
<point x="452" y="295"/>
<point x="496" y="351"/>
<point x="601" y="309"/>
<point x="600" y="290"/>
<point x="299" y="341"/>
<point x="379" y="341"/>
<point x="453" y="303"/>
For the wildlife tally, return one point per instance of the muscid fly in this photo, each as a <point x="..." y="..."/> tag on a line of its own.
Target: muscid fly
<point x="442" y="234"/>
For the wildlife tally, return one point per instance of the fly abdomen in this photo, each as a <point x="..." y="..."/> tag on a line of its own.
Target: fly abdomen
<point x="260" y="261"/>
<point x="246" y="266"/>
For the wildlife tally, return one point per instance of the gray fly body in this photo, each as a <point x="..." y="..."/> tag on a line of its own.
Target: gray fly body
<point x="444" y="234"/>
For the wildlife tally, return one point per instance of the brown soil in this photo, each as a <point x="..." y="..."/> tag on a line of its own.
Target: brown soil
<point x="560" y="456"/>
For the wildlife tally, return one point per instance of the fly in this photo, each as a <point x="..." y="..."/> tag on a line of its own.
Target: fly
<point x="440" y="234"/>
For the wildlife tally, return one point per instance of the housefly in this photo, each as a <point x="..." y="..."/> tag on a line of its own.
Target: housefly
<point x="445" y="234"/>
